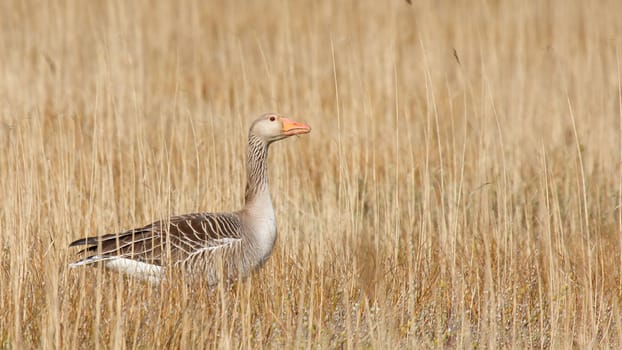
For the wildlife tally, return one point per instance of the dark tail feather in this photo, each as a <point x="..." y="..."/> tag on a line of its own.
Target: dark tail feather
<point x="101" y="239"/>
<point x="84" y="241"/>
<point x="92" y="243"/>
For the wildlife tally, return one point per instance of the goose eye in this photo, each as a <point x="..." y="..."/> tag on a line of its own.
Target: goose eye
<point x="272" y="118"/>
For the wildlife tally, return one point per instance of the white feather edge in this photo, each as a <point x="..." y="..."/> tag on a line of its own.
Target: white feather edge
<point x="148" y="272"/>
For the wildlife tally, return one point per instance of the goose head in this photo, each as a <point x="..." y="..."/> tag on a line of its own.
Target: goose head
<point x="272" y="127"/>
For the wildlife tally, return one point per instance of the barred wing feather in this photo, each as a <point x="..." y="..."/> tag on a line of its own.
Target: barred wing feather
<point x="172" y="241"/>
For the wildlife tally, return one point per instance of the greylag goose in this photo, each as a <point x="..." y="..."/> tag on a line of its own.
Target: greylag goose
<point x="211" y="246"/>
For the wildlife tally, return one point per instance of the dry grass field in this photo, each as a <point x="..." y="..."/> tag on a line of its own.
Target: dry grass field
<point x="461" y="187"/>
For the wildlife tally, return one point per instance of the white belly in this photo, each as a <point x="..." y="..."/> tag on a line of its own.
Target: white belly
<point x="148" y="272"/>
<point x="263" y="223"/>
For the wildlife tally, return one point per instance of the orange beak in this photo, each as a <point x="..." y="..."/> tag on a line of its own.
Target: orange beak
<point x="291" y="127"/>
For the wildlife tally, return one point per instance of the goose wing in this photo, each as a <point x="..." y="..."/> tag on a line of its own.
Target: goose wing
<point x="167" y="241"/>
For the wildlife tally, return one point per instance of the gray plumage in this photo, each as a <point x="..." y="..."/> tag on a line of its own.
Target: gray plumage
<point x="208" y="246"/>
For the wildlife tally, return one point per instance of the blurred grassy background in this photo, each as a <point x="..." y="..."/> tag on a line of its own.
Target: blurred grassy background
<point x="461" y="187"/>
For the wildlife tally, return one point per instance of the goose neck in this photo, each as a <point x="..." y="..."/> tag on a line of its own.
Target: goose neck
<point x="257" y="170"/>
